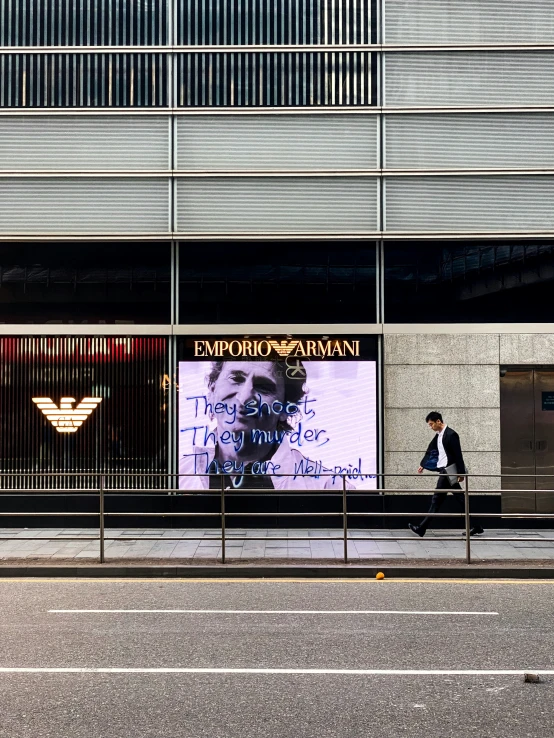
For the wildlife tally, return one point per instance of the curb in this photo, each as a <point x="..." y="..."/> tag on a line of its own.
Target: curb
<point x="276" y="572"/>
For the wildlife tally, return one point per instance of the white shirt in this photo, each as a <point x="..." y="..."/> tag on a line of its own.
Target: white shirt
<point x="442" y="463"/>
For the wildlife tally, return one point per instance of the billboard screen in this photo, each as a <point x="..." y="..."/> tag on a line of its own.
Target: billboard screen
<point x="265" y="421"/>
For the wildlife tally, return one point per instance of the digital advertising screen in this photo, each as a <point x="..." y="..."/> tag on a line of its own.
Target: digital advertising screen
<point x="290" y="414"/>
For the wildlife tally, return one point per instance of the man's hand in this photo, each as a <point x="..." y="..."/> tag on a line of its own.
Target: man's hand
<point x="461" y="479"/>
<point x="420" y="470"/>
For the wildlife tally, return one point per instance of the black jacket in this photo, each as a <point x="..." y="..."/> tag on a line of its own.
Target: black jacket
<point x="452" y="447"/>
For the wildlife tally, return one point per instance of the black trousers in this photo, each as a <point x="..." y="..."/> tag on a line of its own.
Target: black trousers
<point x="438" y="498"/>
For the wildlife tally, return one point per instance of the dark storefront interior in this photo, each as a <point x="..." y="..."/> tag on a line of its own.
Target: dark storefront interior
<point x="85" y="283"/>
<point x="490" y="281"/>
<point x="277" y="282"/>
<point x="126" y="433"/>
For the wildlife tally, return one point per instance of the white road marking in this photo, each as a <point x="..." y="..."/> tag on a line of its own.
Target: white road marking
<point x="282" y="612"/>
<point x="195" y="670"/>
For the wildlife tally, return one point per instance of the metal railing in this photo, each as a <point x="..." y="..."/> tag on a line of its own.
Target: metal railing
<point x="224" y="494"/>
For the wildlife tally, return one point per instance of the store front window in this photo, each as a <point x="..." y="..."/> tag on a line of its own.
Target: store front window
<point x="74" y="407"/>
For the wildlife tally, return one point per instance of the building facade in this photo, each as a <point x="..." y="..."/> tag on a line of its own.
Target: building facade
<point x="175" y="171"/>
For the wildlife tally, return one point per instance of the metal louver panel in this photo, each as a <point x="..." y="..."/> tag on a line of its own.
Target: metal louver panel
<point x="83" y="206"/>
<point x="113" y="22"/>
<point x="472" y="141"/>
<point x="477" y="78"/>
<point x="125" y="433"/>
<point x="277" y="205"/>
<point x="83" y="80"/>
<point x="468" y="21"/>
<point x="269" y="22"/>
<point x="268" y="142"/>
<point x="84" y="143"/>
<point x="274" y="79"/>
<point x="83" y="22"/>
<point x="470" y="204"/>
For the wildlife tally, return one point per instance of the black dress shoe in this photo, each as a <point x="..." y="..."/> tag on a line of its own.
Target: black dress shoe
<point x="477" y="530"/>
<point x="417" y="529"/>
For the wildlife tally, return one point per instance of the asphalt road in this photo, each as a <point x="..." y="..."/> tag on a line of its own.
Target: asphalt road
<point x="339" y="688"/>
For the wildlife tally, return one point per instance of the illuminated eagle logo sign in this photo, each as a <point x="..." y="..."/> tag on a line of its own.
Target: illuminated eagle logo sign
<point x="65" y="418"/>
<point x="283" y="348"/>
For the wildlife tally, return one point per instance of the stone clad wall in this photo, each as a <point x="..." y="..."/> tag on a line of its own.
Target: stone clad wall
<point x="458" y="375"/>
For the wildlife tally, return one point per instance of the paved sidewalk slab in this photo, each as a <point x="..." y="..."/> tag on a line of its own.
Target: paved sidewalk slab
<point x="193" y="545"/>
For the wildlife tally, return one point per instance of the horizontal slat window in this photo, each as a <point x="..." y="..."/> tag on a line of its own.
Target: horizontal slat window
<point x="269" y="22"/>
<point x="83" y="143"/>
<point x="275" y="79"/>
<point x="83" y="206"/>
<point x="468" y="21"/>
<point x="477" y="78"/>
<point x="277" y="205"/>
<point x="83" y="22"/>
<point x="470" y="141"/>
<point x="83" y="80"/>
<point x="470" y="204"/>
<point x="277" y="142"/>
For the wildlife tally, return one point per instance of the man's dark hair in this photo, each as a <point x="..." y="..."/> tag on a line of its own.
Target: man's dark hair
<point x="434" y="416"/>
<point x="295" y="388"/>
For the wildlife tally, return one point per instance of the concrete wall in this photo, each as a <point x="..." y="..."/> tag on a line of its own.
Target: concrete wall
<point x="458" y="375"/>
<point x="527" y="348"/>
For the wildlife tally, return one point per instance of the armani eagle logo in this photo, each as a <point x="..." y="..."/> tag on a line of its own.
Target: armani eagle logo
<point x="283" y="348"/>
<point x="65" y="418"/>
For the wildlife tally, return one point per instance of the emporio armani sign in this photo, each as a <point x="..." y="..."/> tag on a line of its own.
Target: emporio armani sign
<point x="65" y="418"/>
<point x="270" y="347"/>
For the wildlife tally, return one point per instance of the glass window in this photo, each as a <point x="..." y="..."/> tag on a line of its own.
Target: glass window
<point x="83" y="80"/>
<point x="276" y="79"/>
<point x="84" y="283"/>
<point x="83" y="22"/>
<point x="461" y="282"/>
<point x="284" y="22"/>
<point x="203" y="79"/>
<point x="276" y="282"/>
<point x="247" y="79"/>
<point x="81" y="405"/>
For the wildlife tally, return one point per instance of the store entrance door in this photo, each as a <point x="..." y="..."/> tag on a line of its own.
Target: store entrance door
<point x="527" y="439"/>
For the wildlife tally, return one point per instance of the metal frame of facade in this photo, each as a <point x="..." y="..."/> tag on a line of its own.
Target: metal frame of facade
<point x="380" y="49"/>
<point x="174" y="51"/>
<point x="238" y="329"/>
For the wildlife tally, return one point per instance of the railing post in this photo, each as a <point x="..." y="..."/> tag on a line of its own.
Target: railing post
<point x="468" y="537"/>
<point x="222" y="519"/>
<point x="102" y="485"/>
<point x="344" y="520"/>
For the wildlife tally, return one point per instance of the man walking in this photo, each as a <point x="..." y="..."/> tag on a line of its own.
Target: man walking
<point x="443" y="455"/>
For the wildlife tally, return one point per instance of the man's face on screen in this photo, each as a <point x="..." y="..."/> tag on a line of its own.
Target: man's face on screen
<point x="255" y="389"/>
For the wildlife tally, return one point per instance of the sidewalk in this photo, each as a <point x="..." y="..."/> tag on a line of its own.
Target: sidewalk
<point x="195" y="547"/>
